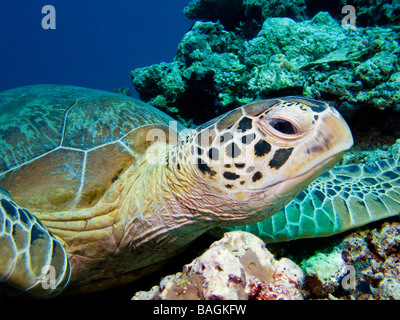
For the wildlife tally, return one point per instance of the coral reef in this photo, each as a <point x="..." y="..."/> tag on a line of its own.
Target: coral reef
<point x="237" y="267"/>
<point x="375" y="255"/>
<point x="231" y="13"/>
<point x="358" y="265"/>
<point x="322" y="272"/>
<point x="216" y="70"/>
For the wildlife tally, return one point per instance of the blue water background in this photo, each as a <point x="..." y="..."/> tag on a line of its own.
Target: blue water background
<point x="95" y="44"/>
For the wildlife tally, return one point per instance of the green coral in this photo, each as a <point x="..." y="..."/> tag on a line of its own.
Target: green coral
<point x="216" y="70"/>
<point x="302" y="42"/>
<point x="230" y="12"/>
<point x="164" y="78"/>
<point x="377" y="69"/>
<point x="274" y="76"/>
<point x="383" y="95"/>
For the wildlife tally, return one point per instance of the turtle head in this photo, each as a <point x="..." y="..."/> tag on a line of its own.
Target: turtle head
<point x="265" y="153"/>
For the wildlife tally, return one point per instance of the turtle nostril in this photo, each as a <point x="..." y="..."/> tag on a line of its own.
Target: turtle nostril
<point x="283" y="126"/>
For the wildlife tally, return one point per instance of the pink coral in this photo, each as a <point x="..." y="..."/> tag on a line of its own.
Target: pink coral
<point x="285" y="285"/>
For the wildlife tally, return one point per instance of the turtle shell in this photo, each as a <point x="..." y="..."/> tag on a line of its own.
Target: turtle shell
<point x="62" y="147"/>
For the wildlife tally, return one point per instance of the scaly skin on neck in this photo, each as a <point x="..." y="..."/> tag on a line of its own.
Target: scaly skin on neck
<point x="165" y="205"/>
<point x="204" y="201"/>
<point x="138" y="222"/>
<point x="153" y="213"/>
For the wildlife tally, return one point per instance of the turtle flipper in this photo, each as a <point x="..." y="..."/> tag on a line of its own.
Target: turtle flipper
<point x="346" y="197"/>
<point x="31" y="258"/>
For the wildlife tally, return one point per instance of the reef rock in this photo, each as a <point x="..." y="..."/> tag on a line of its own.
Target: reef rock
<point x="228" y="12"/>
<point x="217" y="69"/>
<point x="363" y="265"/>
<point x="377" y="262"/>
<point x="237" y="267"/>
<point x="322" y="272"/>
<point x="233" y="12"/>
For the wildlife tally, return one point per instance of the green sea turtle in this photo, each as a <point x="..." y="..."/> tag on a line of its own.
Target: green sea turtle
<point x="101" y="187"/>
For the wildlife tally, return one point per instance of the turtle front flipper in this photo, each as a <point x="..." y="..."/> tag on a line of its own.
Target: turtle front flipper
<point x="346" y="197"/>
<point x="31" y="258"/>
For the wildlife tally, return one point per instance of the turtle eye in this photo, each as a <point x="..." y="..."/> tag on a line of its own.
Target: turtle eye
<point x="283" y="126"/>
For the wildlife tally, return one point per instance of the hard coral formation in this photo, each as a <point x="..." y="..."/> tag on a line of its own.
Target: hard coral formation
<point x="377" y="69"/>
<point x="228" y="12"/>
<point x="376" y="12"/>
<point x="369" y="12"/>
<point x="364" y="265"/>
<point x="322" y="272"/>
<point x="216" y="70"/>
<point x="237" y="267"/>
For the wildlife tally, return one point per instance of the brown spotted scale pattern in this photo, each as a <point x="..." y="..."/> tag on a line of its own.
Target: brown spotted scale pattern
<point x="234" y="152"/>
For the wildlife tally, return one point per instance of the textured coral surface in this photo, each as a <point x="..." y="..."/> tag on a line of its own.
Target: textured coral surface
<point x="237" y="267"/>
<point x="218" y="68"/>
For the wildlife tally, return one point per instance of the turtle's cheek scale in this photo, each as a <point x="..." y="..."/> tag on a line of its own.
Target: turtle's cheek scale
<point x="32" y="259"/>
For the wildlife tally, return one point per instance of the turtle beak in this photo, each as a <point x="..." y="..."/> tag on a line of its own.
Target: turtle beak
<point x="340" y="129"/>
<point x="334" y="138"/>
<point x="325" y="147"/>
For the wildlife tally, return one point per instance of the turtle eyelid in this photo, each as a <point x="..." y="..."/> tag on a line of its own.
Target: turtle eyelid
<point x="283" y="126"/>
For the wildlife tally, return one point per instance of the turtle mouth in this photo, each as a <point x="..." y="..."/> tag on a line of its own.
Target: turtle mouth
<point x="298" y="183"/>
